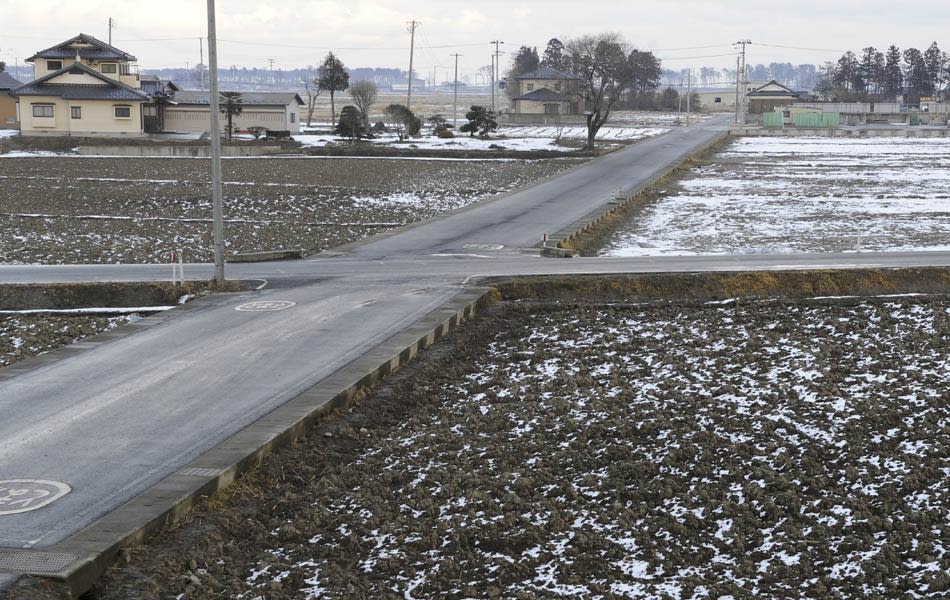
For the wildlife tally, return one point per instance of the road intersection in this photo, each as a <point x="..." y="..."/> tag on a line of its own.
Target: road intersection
<point x="124" y="415"/>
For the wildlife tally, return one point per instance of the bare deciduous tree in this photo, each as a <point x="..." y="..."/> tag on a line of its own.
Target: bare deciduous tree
<point x="312" y="88"/>
<point x="601" y="61"/>
<point x="364" y="94"/>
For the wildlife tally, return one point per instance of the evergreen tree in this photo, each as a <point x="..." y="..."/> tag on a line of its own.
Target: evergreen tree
<point x="333" y="78"/>
<point x="480" y="120"/>
<point x="526" y="60"/>
<point x="554" y="55"/>
<point x="917" y="77"/>
<point x="231" y="106"/>
<point x="893" y="80"/>
<point x="936" y="62"/>
<point x="847" y="72"/>
<point x="351" y="122"/>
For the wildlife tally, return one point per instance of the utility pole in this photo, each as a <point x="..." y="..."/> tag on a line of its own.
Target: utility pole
<point x="112" y="25"/>
<point x="412" y="48"/>
<point x="745" y="82"/>
<point x="201" y="49"/>
<point x="495" y="70"/>
<point x="738" y="83"/>
<point x="217" y="204"/>
<point x="689" y="92"/>
<point x="273" y="78"/>
<point x="455" y="95"/>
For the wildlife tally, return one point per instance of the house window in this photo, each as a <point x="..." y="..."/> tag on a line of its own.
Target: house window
<point x="122" y="112"/>
<point x="110" y="68"/>
<point x="530" y="87"/>
<point x="718" y="100"/>
<point x="557" y="86"/>
<point x="75" y="112"/>
<point x="54" y="65"/>
<point x="552" y="109"/>
<point x="43" y="110"/>
<point x="293" y="117"/>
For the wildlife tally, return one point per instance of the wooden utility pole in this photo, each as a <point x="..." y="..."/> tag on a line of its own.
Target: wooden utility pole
<point x="412" y="47"/>
<point x="745" y="83"/>
<point x="495" y="71"/>
<point x="216" y="199"/>
<point x="689" y="92"/>
<point x="455" y="95"/>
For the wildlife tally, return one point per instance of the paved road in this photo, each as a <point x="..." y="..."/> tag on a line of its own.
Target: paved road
<point x="129" y="412"/>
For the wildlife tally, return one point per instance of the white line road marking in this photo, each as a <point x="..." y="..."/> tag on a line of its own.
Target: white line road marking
<point x="25" y="495"/>
<point x="265" y="306"/>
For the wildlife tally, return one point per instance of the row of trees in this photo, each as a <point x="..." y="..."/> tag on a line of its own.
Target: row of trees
<point x="884" y="75"/>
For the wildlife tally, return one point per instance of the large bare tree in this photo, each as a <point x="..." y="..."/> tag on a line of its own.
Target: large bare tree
<point x="601" y="62"/>
<point x="364" y="94"/>
<point x="312" y="88"/>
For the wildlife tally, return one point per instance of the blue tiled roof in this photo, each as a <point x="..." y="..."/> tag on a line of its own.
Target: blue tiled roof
<point x="544" y="95"/>
<point x="108" y="89"/>
<point x="7" y="82"/>
<point x="99" y="50"/>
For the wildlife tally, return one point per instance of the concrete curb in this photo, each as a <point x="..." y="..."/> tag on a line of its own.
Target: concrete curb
<point x="555" y="243"/>
<point x="77" y="562"/>
<point x="266" y="256"/>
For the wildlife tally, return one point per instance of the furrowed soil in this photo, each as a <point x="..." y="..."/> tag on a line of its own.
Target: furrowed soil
<point x="106" y="210"/>
<point x="745" y="449"/>
<point x="25" y="336"/>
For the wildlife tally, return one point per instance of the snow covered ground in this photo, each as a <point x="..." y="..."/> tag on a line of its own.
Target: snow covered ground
<point x="802" y="195"/>
<point x="745" y="450"/>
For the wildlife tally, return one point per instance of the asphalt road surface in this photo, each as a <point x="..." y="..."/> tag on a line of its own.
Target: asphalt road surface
<point x="127" y="413"/>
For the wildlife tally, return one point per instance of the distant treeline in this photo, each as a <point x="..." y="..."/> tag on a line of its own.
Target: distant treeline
<point x="884" y="75"/>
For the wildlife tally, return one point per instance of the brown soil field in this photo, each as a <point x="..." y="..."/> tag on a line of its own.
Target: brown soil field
<point x="25" y="336"/>
<point x="105" y="210"/>
<point x="738" y="449"/>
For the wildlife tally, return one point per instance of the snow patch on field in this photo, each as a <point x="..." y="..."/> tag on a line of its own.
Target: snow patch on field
<point x="660" y="452"/>
<point x="802" y="195"/>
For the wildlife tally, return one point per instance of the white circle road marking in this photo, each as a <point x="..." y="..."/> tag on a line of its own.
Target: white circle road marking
<point x="265" y="306"/>
<point x="24" y="495"/>
<point x="483" y="246"/>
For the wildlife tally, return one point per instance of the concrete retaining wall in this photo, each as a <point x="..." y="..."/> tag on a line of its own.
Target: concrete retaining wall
<point x="178" y="151"/>
<point x="89" y="295"/>
<point x="899" y="132"/>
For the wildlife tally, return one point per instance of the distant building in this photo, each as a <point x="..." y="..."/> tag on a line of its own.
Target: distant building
<point x="721" y="99"/>
<point x="8" y="113"/>
<point x="277" y="112"/>
<point x="767" y="98"/>
<point x="83" y="86"/>
<point x="546" y="91"/>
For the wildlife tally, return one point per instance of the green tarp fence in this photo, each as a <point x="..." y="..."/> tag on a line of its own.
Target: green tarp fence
<point x="773" y="119"/>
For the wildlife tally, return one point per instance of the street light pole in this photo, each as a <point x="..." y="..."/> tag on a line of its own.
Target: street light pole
<point x="217" y="203"/>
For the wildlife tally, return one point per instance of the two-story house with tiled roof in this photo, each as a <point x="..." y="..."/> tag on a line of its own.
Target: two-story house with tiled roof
<point x="83" y="87"/>
<point x="547" y="91"/>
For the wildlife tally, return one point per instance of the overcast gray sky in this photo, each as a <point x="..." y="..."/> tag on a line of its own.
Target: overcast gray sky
<point x="373" y="32"/>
